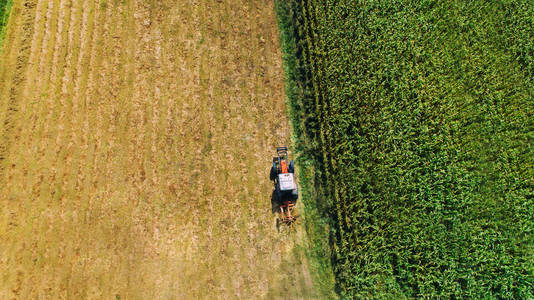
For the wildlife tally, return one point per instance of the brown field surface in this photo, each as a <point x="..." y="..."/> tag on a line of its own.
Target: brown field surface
<point x="135" y="143"/>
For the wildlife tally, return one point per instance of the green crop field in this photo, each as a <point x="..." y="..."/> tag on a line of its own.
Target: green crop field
<point x="5" y="8"/>
<point x="414" y="122"/>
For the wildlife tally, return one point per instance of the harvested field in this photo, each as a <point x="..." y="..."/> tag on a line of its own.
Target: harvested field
<point x="135" y="145"/>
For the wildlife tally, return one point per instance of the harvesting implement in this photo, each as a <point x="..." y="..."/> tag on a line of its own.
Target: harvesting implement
<point x="285" y="187"/>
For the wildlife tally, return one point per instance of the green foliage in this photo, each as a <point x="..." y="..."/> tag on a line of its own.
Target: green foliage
<point x="5" y="8"/>
<point x="415" y="119"/>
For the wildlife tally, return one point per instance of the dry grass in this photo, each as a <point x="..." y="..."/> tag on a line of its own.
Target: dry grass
<point x="135" y="143"/>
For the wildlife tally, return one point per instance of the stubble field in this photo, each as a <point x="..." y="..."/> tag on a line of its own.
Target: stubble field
<point x="135" y="143"/>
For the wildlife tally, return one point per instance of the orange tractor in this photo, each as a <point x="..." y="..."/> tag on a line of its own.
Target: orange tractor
<point x="285" y="187"/>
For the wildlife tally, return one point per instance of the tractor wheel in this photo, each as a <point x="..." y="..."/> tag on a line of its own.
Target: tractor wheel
<point x="279" y="196"/>
<point x="291" y="168"/>
<point x="295" y="193"/>
<point x="272" y="175"/>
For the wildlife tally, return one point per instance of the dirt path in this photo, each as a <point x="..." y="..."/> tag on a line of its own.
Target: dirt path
<point x="135" y="143"/>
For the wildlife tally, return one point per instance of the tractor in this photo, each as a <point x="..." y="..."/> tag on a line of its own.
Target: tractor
<point x="285" y="187"/>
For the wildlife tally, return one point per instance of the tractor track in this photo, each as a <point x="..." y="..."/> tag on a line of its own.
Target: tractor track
<point x="136" y="141"/>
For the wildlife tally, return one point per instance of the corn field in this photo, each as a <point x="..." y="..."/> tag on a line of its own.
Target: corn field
<point x="414" y="119"/>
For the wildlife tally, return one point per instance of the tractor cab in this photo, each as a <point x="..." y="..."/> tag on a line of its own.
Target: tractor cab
<point x="283" y="175"/>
